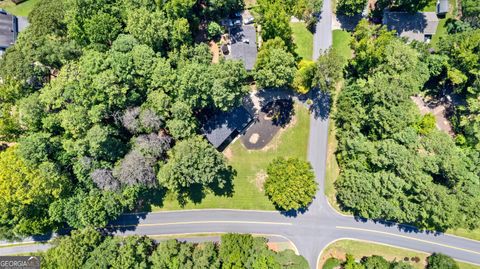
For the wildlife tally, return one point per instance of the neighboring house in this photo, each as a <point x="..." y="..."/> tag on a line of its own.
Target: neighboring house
<point x="419" y="26"/>
<point x="442" y="7"/>
<point x="8" y="30"/>
<point x="242" y="44"/>
<point x="222" y="128"/>
<point x="10" y="26"/>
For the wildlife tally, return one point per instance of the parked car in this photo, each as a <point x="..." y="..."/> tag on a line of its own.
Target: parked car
<point x="237" y="22"/>
<point x="248" y="20"/>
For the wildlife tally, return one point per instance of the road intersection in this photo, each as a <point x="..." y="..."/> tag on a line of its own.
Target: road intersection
<point x="310" y="231"/>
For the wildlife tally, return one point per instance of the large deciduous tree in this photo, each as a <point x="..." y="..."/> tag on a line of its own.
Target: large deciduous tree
<point x="194" y="161"/>
<point x="290" y="184"/>
<point x="275" y="66"/>
<point x="26" y="192"/>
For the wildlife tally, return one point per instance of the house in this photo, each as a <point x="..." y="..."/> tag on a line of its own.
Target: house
<point x="243" y="45"/>
<point x="419" y="26"/>
<point x="8" y="30"/>
<point x="442" y="8"/>
<point x="10" y="26"/>
<point x="220" y="128"/>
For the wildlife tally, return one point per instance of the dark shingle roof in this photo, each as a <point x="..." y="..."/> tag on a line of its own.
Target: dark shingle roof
<point x="247" y="52"/>
<point x="8" y="29"/>
<point x="413" y="26"/>
<point x="222" y="125"/>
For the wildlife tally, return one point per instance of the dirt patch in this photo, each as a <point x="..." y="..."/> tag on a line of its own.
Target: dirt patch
<point x="273" y="246"/>
<point x="215" y="50"/>
<point x="254" y="138"/>
<point x="438" y="109"/>
<point x="228" y="153"/>
<point x="260" y="178"/>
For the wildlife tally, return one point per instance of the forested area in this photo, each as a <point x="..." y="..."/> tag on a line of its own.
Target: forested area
<point x="100" y="98"/>
<point x="395" y="164"/>
<point x="87" y="248"/>
<point x="100" y="101"/>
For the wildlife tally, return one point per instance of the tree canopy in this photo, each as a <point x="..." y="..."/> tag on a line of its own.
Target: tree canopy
<point x="87" y="248"/>
<point x="290" y="183"/>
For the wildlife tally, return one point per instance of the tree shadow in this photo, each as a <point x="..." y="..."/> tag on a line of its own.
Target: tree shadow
<point x="280" y="111"/>
<point x="321" y="104"/>
<point x="195" y="193"/>
<point x="149" y="197"/>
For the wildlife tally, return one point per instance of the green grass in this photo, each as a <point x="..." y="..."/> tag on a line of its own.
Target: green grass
<point x="341" y="43"/>
<point x="292" y="142"/>
<point x="472" y="234"/>
<point x="303" y="39"/>
<point x="22" y="9"/>
<point x="361" y="248"/>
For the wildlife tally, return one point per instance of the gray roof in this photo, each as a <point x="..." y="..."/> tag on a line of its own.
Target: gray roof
<point x="413" y="26"/>
<point x="221" y="126"/>
<point x="442" y="7"/>
<point x="247" y="52"/>
<point x="8" y="30"/>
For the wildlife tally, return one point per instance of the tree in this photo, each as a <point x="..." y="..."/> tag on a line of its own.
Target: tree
<point x="470" y="12"/>
<point x="276" y="23"/>
<point x="135" y="169"/>
<point x="303" y="80"/>
<point x="47" y="17"/>
<point x="149" y="28"/>
<point x="405" y="5"/>
<point x="122" y="252"/>
<point x="72" y="251"/>
<point x="172" y="254"/>
<point x="93" y="209"/>
<point x="328" y="70"/>
<point x="235" y="250"/>
<point x="104" y="179"/>
<point x="275" y="67"/>
<point x="26" y="193"/>
<point x="351" y="7"/>
<point x="214" y="30"/>
<point x="438" y="260"/>
<point x="102" y="28"/>
<point x="290" y="184"/>
<point x="194" y="161"/>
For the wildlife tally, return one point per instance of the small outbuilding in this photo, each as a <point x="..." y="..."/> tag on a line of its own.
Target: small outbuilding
<point x="442" y="7"/>
<point x="221" y="128"/>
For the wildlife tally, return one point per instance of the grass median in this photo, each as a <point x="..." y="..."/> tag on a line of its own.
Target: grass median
<point x="360" y="249"/>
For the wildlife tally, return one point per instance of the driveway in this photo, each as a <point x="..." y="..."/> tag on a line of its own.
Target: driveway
<point x="311" y="231"/>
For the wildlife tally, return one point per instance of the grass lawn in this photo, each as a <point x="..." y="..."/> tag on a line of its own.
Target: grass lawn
<point x="22" y="9"/>
<point x="472" y="234"/>
<point x="303" y="39"/>
<point x="292" y="142"/>
<point x="441" y="31"/>
<point x="341" y="43"/>
<point x="361" y="248"/>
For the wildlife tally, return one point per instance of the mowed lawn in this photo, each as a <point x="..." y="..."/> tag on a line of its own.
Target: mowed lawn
<point x="249" y="165"/>
<point x="303" y="39"/>
<point x="341" y="43"/>
<point x="22" y="9"/>
<point x="361" y="248"/>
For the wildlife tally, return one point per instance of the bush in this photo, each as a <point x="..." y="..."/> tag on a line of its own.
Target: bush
<point x="331" y="263"/>
<point x="441" y="261"/>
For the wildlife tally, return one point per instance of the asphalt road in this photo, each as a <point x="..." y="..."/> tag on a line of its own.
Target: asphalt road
<point x="311" y="231"/>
